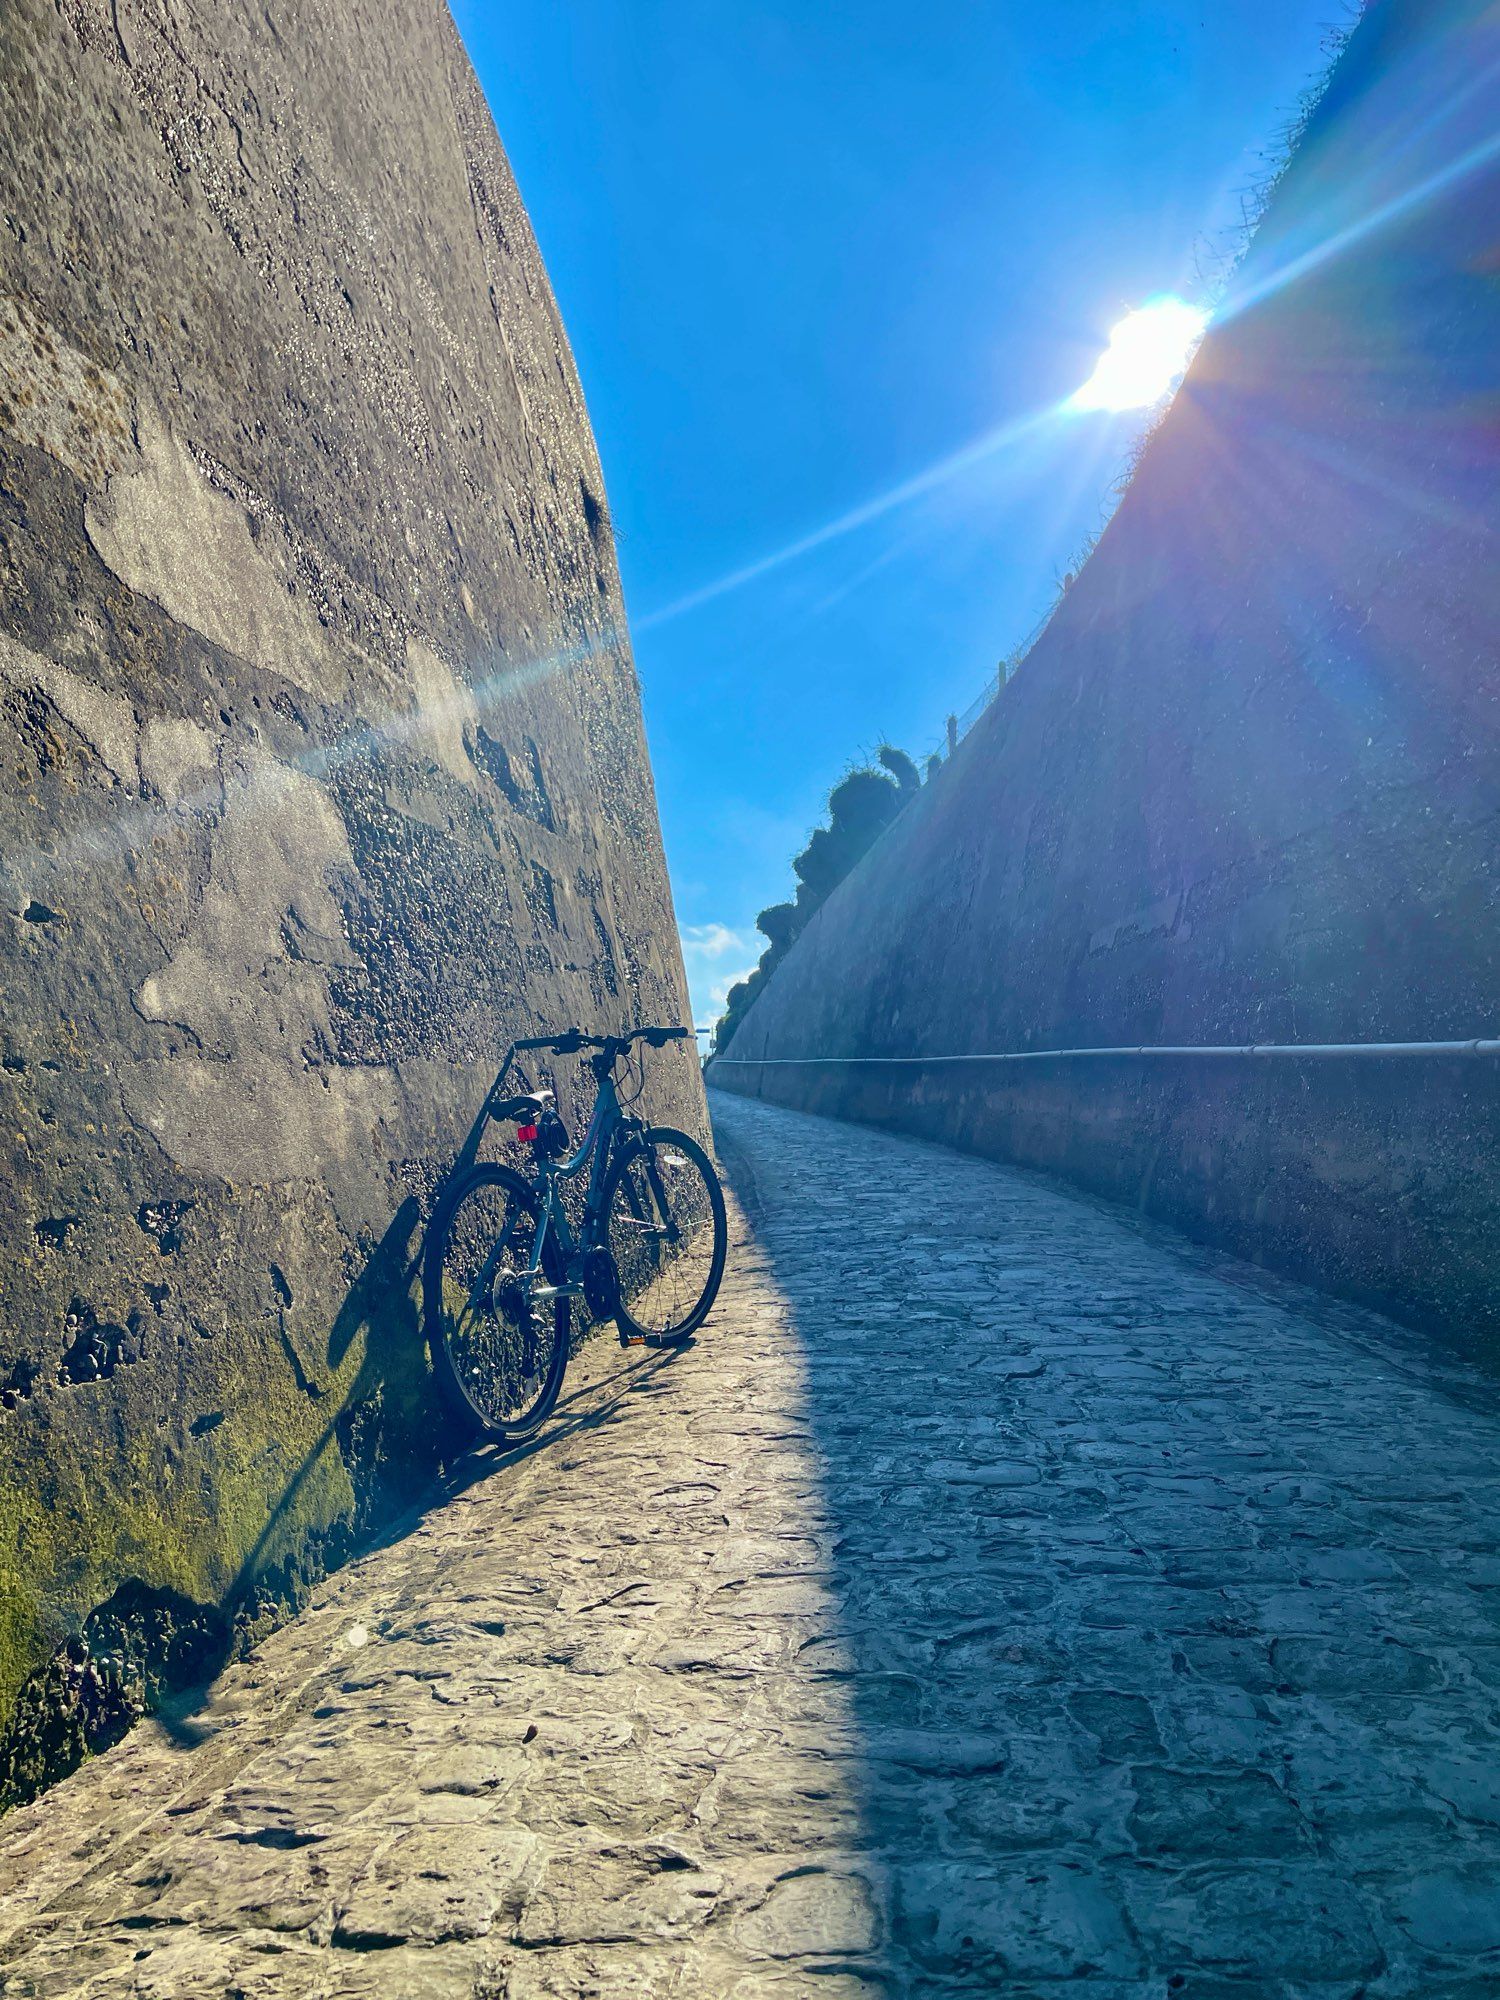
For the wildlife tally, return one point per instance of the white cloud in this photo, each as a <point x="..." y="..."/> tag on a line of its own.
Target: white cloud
<point x="708" y="941"/>
<point x="708" y="952"/>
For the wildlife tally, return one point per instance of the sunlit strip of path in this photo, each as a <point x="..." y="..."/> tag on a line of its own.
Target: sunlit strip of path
<point x="1001" y="1599"/>
<point x="568" y="1733"/>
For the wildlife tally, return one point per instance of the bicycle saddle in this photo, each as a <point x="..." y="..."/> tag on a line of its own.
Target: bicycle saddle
<point x="525" y="1110"/>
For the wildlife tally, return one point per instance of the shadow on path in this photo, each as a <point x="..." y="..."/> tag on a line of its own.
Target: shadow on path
<point x="1169" y="1616"/>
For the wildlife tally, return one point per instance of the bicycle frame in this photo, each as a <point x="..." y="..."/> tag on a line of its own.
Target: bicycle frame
<point x="607" y="1122"/>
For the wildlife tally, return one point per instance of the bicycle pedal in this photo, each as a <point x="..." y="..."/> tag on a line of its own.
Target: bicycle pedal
<point x="633" y="1340"/>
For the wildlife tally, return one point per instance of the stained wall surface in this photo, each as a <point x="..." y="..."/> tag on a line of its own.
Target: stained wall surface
<point x="323" y="769"/>
<point x="1247" y="786"/>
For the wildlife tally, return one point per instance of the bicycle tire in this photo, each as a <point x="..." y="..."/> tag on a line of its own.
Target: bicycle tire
<point x="639" y="1178"/>
<point x="484" y="1359"/>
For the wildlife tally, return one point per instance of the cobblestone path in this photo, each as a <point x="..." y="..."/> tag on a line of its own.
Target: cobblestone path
<point x="997" y="1601"/>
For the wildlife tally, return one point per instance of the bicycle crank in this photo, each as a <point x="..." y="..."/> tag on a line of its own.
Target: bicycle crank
<point x="601" y="1282"/>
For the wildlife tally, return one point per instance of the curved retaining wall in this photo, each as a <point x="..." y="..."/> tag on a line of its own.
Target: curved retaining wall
<point x="324" y="777"/>
<point x="1246" y="788"/>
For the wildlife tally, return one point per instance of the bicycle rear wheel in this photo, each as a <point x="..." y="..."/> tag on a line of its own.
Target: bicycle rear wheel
<point x="498" y="1353"/>
<point x="667" y="1232"/>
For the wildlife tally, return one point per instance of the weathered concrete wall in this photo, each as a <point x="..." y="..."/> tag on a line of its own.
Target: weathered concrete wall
<point x="323" y="767"/>
<point x="1247" y="787"/>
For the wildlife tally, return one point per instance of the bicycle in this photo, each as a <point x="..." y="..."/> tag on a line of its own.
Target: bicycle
<point x="502" y="1266"/>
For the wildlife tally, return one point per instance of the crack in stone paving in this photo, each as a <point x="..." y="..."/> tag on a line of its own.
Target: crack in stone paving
<point x="997" y="1599"/>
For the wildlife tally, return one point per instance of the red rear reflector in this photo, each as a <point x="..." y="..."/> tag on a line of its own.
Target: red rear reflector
<point x="526" y="1131"/>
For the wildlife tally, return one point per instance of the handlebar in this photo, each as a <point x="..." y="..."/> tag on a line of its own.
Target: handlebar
<point x="572" y="1041"/>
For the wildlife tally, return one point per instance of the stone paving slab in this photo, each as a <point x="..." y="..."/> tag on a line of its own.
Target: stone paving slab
<point x="998" y="1599"/>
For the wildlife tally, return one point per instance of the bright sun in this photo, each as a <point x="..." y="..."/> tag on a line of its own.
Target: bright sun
<point x="1147" y="352"/>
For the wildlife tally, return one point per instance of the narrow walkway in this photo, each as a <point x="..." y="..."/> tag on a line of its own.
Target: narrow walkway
<point x="995" y="1601"/>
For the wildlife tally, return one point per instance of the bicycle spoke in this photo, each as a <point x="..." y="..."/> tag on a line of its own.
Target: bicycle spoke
<point x="666" y="1239"/>
<point x="501" y="1339"/>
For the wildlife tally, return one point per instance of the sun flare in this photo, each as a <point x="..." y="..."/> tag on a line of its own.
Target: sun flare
<point x="1147" y="353"/>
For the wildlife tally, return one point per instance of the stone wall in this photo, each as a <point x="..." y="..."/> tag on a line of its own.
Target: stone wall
<point x="324" y="776"/>
<point x="1247" y="786"/>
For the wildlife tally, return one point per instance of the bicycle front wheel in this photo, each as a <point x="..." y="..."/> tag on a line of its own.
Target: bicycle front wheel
<point x="667" y="1232"/>
<point x="498" y="1351"/>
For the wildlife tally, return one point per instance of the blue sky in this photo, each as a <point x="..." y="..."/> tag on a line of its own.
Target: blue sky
<point x="806" y="252"/>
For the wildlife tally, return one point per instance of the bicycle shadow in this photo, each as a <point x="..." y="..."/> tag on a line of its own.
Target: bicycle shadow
<point x="392" y="1443"/>
<point x="404" y="1484"/>
<point x="573" y="1417"/>
<point x="383" y="1430"/>
<point x="399" y="1444"/>
<point x="375" y="1441"/>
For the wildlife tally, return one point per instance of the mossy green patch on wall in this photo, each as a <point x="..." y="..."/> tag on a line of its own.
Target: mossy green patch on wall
<point x="234" y="1509"/>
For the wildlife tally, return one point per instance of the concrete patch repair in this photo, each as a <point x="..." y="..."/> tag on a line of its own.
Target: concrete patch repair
<point x="1003" y="1594"/>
